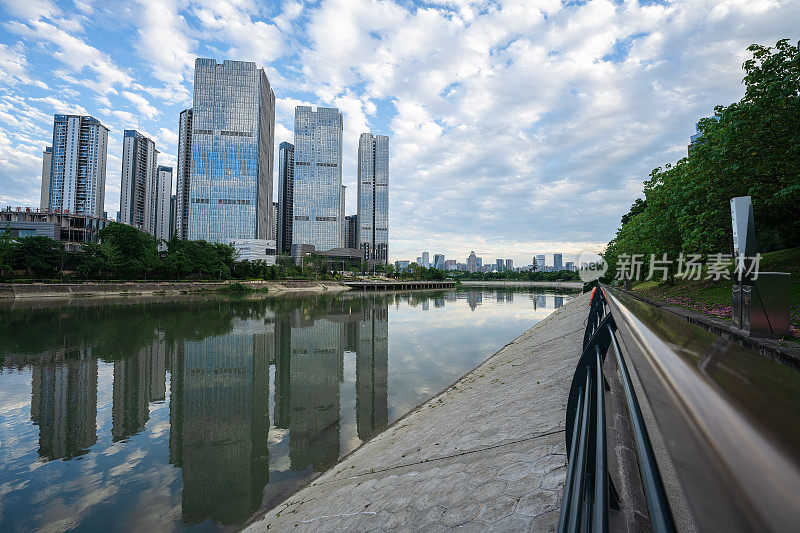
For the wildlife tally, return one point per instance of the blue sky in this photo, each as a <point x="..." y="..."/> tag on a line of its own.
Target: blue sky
<point x="516" y="127"/>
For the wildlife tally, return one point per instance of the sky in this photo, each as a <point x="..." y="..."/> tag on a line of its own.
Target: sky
<point x="516" y="127"/>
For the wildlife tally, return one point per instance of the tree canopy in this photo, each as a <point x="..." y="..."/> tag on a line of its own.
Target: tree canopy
<point x="748" y="148"/>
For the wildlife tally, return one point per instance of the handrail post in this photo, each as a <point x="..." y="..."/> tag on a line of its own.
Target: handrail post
<point x="580" y="464"/>
<point x="600" y="518"/>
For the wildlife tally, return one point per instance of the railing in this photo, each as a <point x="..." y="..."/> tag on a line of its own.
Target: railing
<point x="729" y="465"/>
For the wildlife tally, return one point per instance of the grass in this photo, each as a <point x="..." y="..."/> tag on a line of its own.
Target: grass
<point x="240" y="288"/>
<point x="713" y="298"/>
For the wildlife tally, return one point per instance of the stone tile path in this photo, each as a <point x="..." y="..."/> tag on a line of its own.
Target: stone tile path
<point x="487" y="454"/>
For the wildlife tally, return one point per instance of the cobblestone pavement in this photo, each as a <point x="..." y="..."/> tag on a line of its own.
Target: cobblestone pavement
<point x="487" y="454"/>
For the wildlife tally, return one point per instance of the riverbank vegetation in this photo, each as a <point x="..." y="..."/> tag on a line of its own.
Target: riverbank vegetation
<point x="748" y="148"/>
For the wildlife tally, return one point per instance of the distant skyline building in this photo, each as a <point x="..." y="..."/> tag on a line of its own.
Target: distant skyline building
<point x="352" y="231"/>
<point x="450" y="264"/>
<point x="184" y="171"/>
<point x="317" y="178"/>
<point x="510" y="264"/>
<point x="373" y="197"/>
<point x="438" y="260"/>
<point x="47" y="169"/>
<point x="78" y="166"/>
<point x="233" y="133"/>
<point x="472" y="262"/>
<point x="139" y="162"/>
<point x="569" y="265"/>
<point x="500" y="265"/>
<point x="557" y="262"/>
<point x="426" y="260"/>
<point x="285" y="196"/>
<point x="540" y="262"/>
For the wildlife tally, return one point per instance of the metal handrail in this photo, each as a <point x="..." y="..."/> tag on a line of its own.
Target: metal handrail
<point x="715" y="423"/>
<point x="585" y="503"/>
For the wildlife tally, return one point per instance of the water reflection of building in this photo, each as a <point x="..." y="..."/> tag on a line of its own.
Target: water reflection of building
<point x="315" y="352"/>
<point x="219" y="423"/>
<point x="138" y="380"/>
<point x="64" y="406"/>
<point x="474" y="299"/>
<point x="541" y="301"/>
<point x="372" y="372"/>
<point x="558" y="301"/>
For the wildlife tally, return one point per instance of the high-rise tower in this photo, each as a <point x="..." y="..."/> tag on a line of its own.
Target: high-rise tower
<point x="232" y="143"/>
<point x="139" y="161"/>
<point x="78" y="177"/>
<point x="285" y="196"/>
<point x="317" y="178"/>
<point x="184" y="169"/>
<point x="373" y="197"/>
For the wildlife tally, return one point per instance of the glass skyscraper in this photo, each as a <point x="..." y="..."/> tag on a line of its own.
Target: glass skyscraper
<point x="285" y="196"/>
<point x="232" y="143"/>
<point x="317" y="178"/>
<point x="373" y="197"/>
<point x="78" y="173"/>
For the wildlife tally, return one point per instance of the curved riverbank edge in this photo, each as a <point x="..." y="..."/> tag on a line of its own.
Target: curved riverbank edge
<point x="541" y="284"/>
<point x="488" y="451"/>
<point x="85" y="290"/>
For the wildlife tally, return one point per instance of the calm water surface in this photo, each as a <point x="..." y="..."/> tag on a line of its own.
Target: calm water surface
<point x="197" y="412"/>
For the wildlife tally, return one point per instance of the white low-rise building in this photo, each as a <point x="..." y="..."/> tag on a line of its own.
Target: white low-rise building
<point x="254" y="249"/>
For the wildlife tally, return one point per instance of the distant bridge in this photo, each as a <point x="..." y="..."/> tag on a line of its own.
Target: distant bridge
<point x="398" y="285"/>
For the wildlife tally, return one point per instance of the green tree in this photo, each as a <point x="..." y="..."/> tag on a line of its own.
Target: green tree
<point x="38" y="255"/>
<point x="748" y="148"/>
<point x="6" y="251"/>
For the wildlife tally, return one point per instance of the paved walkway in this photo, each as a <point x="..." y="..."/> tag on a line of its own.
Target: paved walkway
<point x="487" y="454"/>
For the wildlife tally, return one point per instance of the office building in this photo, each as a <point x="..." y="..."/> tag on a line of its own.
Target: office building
<point x="500" y="265"/>
<point x="373" y="196"/>
<point x="139" y="161"/>
<point x="540" y="263"/>
<point x="426" y="260"/>
<point x="285" y="196"/>
<point x="184" y="171"/>
<point x="401" y="266"/>
<point x="510" y="265"/>
<point x="352" y="231"/>
<point x="233" y="131"/>
<point x="569" y="265"/>
<point x="438" y="260"/>
<point x="419" y="260"/>
<point x="557" y="262"/>
<point x="472" y="262"/>
<point x="72" y="230"/>
<point x="47" y="169"/>
<point x="317" y="178"/>
<point x="478" y="264"/>
<point x="450" y="264"/>
<point x="78" y="166"/>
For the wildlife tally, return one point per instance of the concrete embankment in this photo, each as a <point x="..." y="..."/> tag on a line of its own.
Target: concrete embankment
<point x="68" y="290"/>
<point x="488" y="452"/>
<point x="514" y="284"/>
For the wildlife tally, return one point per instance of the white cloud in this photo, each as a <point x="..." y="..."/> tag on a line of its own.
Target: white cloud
<point x="141" y="103"/>
<point x="512" y="123"/>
